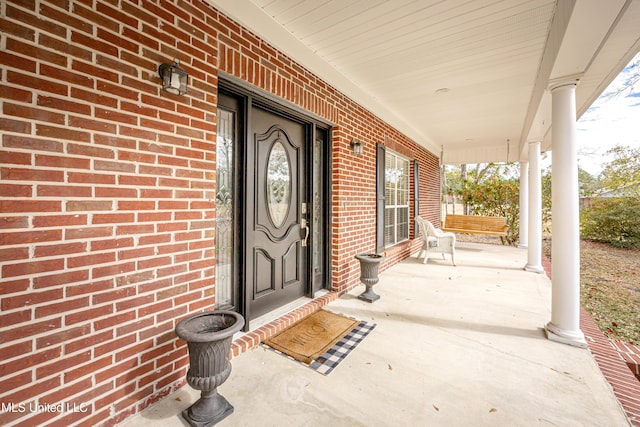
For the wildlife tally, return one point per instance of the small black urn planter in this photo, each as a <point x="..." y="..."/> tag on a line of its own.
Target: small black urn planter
<point x="369" y="264"/>
<point x="208" y="336"/>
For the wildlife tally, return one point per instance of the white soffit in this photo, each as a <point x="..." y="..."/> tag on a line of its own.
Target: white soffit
<point x="258" y="21"/>
<point x="602" y="49"/>
<point x="442" y="72"/>
<point x="582" y="41"/>
<point x="457" y="76"/>
<point x="619" y="48"/>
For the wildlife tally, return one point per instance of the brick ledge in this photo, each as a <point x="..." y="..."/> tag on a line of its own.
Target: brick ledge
<point x="631" y="355"/>
<point x="611" y="362"/>
<point x="253" y="338"/>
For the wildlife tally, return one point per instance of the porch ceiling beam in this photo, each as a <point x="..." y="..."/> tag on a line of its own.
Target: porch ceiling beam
<point x="588" y="28"/>
<point x="557" y="32"/>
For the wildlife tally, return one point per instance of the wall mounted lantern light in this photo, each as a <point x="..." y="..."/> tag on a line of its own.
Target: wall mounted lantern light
<point x="174" y="79"/>
<point x="356" y="147"/>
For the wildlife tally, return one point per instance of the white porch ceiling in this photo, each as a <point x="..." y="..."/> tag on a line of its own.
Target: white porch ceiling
<point x="461" y="77"/>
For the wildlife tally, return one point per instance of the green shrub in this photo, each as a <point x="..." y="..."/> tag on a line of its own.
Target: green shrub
<point x="497" y="196"/>
<point x="613" y="220"/>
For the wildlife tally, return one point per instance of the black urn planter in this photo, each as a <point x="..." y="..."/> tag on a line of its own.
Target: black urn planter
<point x="208" y="336"/>
<point x="369" y="264"/>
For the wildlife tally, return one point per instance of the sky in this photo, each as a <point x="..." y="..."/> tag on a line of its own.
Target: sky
<point x="611" y="120"/>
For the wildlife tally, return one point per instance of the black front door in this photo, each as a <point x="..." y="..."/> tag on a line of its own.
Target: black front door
<point x="277" y="228"/>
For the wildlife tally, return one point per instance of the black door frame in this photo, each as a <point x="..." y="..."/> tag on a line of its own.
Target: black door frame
<point x="249" y="96"/>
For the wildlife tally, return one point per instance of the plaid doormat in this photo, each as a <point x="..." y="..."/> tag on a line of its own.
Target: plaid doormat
<point x="328" y="361"/>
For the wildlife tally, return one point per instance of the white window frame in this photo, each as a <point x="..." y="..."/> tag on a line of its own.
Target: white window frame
<point x="393" y="205"/>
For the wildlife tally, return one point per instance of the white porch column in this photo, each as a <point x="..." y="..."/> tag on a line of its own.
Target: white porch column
<point x="524" y="196"/>
<point x="564" y="326"/>
<point x="534" y="253"/>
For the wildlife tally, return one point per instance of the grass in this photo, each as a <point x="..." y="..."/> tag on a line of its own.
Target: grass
<point x="610" y="288"/>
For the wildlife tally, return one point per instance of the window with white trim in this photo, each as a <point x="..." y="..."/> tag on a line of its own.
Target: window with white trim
<point x="396" y="195"/>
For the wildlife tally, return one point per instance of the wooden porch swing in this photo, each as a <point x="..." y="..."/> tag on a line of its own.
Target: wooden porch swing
<point x="475" y="224"/>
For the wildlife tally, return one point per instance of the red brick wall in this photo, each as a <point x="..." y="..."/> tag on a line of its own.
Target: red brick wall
<point x="106" y="223"/>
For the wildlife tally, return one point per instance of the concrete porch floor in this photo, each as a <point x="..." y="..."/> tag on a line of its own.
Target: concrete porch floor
<point x="453" y="346"/>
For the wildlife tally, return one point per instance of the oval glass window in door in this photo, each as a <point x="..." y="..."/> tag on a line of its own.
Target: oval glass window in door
<point x="278" y="184"/>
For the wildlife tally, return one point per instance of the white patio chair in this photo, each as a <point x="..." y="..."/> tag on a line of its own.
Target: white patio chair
<point x="436" y="240"/>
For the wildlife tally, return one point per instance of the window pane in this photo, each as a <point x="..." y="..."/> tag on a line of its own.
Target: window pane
<point x="278" y="184"/>
<point x="317" y="224"/>
<point x="403" y="175"/>
<point x="224" y="209"/>
<point x="389" y="226"/>
<point x="402" y="197"/>
<point x="390" y="162"/>
<point x="389" y="194"/>
<point x="397" y="199"/>
<point x="402" y="218"/>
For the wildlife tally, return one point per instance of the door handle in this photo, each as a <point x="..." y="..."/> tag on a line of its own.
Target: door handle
<point x="304" y="224"/>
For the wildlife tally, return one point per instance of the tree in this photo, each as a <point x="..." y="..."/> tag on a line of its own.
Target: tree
<point x="452" y="185"/>
<point x="589" y="184"/>
<point x="616" y="219"/>
<point x="490" y="189"/>
<point x="631" y="78"/>
<point x="497" y="196"/>
<point x="621" y="176"/>
<point x="546" y="200"/>
<point x="612" y="220"/>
